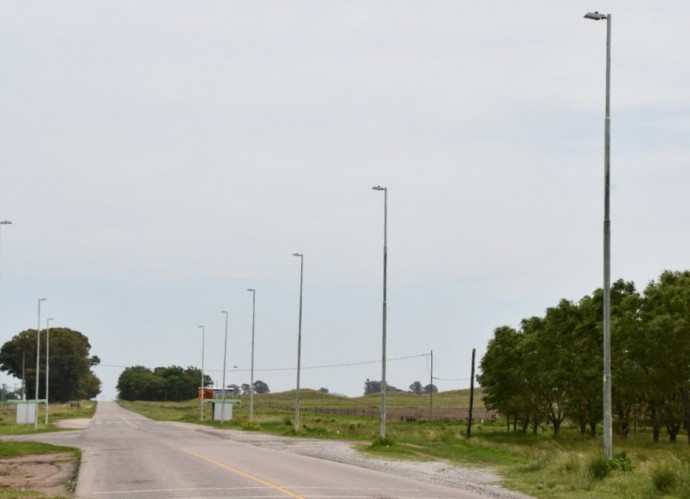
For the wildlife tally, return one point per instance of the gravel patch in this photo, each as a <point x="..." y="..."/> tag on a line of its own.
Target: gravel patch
<point x="476" y="480"/>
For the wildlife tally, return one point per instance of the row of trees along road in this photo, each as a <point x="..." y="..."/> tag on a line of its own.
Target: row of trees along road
<point x="172" y="383"/>
<point x="550" y="369"/>
<point x="70" y="375"/>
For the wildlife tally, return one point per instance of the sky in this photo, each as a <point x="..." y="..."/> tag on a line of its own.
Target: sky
<point x="158" y="158"/>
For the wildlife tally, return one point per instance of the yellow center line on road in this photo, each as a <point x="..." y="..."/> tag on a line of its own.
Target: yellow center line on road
<point x="246" y="475"/>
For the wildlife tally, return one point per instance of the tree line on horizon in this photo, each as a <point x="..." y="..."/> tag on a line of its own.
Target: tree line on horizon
<point x="172" y="383"/>
<point x="549" y="370"/>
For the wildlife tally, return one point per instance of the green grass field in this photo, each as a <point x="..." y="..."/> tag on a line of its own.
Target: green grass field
<point x="544" y="466"/>
<point x="8" y="426"/>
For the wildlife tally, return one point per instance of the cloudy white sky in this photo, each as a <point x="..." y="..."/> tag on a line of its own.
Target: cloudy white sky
<point x="157" y="158"/>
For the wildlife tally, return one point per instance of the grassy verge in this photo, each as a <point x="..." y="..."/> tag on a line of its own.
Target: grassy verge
<point x="56" y="412"/>
<point x="541" y="465"/>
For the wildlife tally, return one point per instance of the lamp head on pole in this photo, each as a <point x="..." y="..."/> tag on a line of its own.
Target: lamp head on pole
<point x="251" y="290"/>
<point x="595" y="16"/>
<point x="298" y="254"/>
<point x="6" y="222"/>
<point x="378" y="188"/>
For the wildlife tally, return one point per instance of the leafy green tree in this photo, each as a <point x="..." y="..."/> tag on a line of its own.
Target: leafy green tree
<point x="416" y="387"/>
<point x="261" y="387"/>
<point x="430" y="389"/>
<point x="501" y="376"/>
<point x="371" y="386"/>
<point x="70" y="373"/>
<point x="665" y="315"/>
<point x="162" y="383"/>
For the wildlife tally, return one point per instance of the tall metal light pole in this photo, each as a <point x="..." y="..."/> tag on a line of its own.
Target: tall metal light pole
<point x="385" y="270"/>
<point x="3" y="222"/>
<point x="299" y="339"/>
<point x="225" y="356"/>
<point x="608" y="432"/>
<point x="251" y="381"/>
<point x="38" y="358"/>
<point x="201" y="398"/>
<point x="47" y="364"/>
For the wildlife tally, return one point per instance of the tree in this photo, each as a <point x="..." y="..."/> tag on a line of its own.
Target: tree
<point x="430" y="389"/>
<point x="70" y="373"/>
<point x="162" y="383"/>
<point x="371" y="386"/>
<point x="261" y="387"/>
<point x="323" y="390"/>
<point x="416" y="387"/>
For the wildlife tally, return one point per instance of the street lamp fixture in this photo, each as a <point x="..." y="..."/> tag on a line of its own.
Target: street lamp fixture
<point x="608" y="430"/>
<point x="595" y="16"/>
<point x="299" y="339"/>
<point x="38" y="359"/>
<point x="385" y="275"/>
<point x="251" y="381"/>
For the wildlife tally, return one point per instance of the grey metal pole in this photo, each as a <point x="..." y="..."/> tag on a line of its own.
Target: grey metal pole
<point x="608" y="424"/>
<point x="38" y="359"/>
<point x="47" y="364"/>
<point x="431" y="389"/>
<point x="201" y="398"/>
<point x="469" y="420"/>
<point x="251" y="382"/>
<point x="3" y="222"/>
<point x="299" y="340"/>
<point x="225" y="356"/>
<point x="385" y="275"/>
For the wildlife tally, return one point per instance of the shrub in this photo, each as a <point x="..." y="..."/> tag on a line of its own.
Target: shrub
<point x="598" y="468"/>
<point x="664" y="479"/>
<point x="621" y="462"/>
<point x="382" y="442"/>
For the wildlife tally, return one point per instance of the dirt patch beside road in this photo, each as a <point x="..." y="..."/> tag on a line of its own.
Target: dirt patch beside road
<point x="51" y="474"/>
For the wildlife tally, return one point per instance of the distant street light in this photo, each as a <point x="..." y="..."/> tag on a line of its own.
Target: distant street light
<point x="47" y="364"/>
<point x="385" y="270"/>
<point x="608" y="430"/>
<point x="299" y="339"/>
<point x="225" y="356"/>
<point x="201" y="398"/>
<point x="38" y="358"/>
<point x="251" y="381"/>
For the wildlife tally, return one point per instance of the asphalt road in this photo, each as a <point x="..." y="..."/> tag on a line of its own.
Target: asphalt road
<point x="126" y="455"/>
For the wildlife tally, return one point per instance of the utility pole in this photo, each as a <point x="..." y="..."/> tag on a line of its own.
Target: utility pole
<point x="431" y="389"/>
<point x="469" y="421"/>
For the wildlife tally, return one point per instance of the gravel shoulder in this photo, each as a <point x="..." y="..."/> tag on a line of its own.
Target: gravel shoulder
<point x="440" y="472"/>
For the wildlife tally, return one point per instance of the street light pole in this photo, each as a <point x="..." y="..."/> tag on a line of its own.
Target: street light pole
<point x="38" y="359"/>
<point x="225" y="356"/>
<point x="201" y="398"/>
<point x="299" y="339"/>
<point x="47" y="363"/>
<point x="251" y="381"/>
<point x="608" y="431"/>
<point x="385" y="275"/>
<point x="3" y="222"/>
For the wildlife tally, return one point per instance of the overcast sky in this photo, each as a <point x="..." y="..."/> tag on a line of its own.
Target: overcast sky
<point x="158" y="158"/>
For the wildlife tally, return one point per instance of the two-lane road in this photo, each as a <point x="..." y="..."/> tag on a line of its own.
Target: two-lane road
<point x="126" y="455"/>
